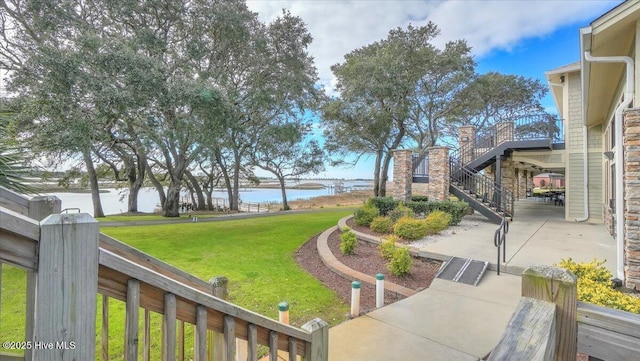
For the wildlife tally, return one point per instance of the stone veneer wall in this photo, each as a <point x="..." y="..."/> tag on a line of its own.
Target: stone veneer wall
<point x="467" y="132"/>
<point x="508" y="175"/>
<point x="522" y="183"/>
<point x="402" y="174"/>
<point x="631" y="142"/>
<point x="439" y="176"/>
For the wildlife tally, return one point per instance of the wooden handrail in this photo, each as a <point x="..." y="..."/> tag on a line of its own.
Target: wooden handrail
<point x="141" y="281"/>
<point x="19" y="235"/>
<point x="115" y="271"/>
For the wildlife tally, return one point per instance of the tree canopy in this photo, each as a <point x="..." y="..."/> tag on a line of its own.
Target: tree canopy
<point x="404" y="91"/>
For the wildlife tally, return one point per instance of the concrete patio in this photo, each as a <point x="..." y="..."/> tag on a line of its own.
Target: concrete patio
<point x="453" y="321"/>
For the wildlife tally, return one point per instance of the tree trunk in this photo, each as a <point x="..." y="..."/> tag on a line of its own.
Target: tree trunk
<point x="225" y="174"/>
<point x="376" y="174"/>
<point x="234" y="201"/>
<point x="172" y="204"/>
<point x="135" y="183"/>
<point x="285" y="205"/>
<point x="93" y="183"/>
<point x="159" y="188"/>
<point x="201" y="203"/>
<point x="384" y="175"/>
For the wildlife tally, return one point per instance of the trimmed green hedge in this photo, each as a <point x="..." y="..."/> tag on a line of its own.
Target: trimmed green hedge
<point x="419" y="198"/>
<point x="456" y="209"/>
<point x="384" y="204"/>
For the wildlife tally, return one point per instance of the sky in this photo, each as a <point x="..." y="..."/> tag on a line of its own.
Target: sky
<point x="511" y="37"/>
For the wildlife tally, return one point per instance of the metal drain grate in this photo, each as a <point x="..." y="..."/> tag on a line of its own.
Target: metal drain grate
<point x="463" y="270"/>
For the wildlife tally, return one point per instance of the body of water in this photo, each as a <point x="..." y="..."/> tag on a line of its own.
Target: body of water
<point x="114" y="201"/>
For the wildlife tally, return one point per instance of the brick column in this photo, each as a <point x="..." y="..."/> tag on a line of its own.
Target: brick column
<point x="504" y="132"/>
<point x="439" y="174"/>
<point x="522" y="183"/>
<point x="467" y="143"/>
<point x="508" y="175"/>
<point x="402" y="174"/>
<point x="631" y="144"/>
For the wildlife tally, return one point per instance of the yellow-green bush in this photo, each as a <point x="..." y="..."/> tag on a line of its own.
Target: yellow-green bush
<point x="382" y="225"/>
<point x="388" y="247"/>
<point x="401" y="262"/>
<point x="410" y="228"/>
<point x="401" y="211"/>
<point x="365" y="214"/>
<point x="437" y="221"/>
<point x="594" y="286"/>
<point x="348" y="242"/>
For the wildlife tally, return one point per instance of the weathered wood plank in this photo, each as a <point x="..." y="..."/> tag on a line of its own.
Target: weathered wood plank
<point x="559" y="286"/>
<point x="293" y="349"/>
<point x="30" y="307"/>
<point x="132" y="321"/>
<point x="152" y="278"/>
<point x="273" y="346"/>
<point x="42" y="206"/>
<point x="252" y="343"/>
<point x="18" y="251"/>
<point x="219" y="290"/>
<point x="169" y="328"/>
<point x="200" y="346"/>
<point x="19" y="224"/>
<point x="607" y="345"/>
<point x="19" y="235"/>
<point x="229" y="338"/>
<point x="105" y="328"/>
<point x="180" y="340"/>
<point x="146" y="354"/>
<point x="14" y="201"/>
<point x="530" y="334"/>
<point x="610" y="319"/>
<point x="318" y="350"/>
<point x="67" y="285"/>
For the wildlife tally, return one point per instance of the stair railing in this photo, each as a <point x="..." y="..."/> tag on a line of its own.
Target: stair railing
<point x="500" y="240"/>
<point x="483" y="188"/>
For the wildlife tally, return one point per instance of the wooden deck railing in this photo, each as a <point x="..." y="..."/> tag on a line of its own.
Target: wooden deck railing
<point x="550" y="324"/>
<point x="68" y="263"/>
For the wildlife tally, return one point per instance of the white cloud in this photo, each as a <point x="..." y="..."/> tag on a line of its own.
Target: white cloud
<point x="339" y="27"/>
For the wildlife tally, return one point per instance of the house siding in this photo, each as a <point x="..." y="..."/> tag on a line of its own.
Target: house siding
<point x="574" y="175"/>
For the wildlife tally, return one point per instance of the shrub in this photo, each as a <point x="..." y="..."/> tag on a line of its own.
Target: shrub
<point x="594" y="286"/>
<point x="437" y="221"/>
<point x="348" y="242"/>
<point x="456" y="209"/>
<point x="410" y="228"/>
<point x="384" y="204"/>
<point x="382" y="225"/>
<point x="419" y="198"/>
<point x="365" y="214"/>
<point x="388" y="247"/>
<point x="400" y="264"/>
<point x="401" y="211"/>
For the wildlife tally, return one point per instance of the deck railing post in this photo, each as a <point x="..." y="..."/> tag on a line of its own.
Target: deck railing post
<point x="66" y="288"/>
<point x="42" y="206"/>
<point x="318" y="350"/>
<point x="216" y="339"/>
<point x="558" y="286"/>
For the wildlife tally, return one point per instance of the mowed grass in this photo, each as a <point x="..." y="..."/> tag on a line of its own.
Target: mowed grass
<point x="257" y="255"/>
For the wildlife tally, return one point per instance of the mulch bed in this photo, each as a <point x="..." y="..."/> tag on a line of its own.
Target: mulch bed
<point x="368" y="261"/>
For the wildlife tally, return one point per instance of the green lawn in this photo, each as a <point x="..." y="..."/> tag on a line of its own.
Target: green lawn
<point x="256" y="255"/>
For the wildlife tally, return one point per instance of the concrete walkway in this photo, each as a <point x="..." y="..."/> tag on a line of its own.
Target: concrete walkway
<point x="452" y="321"/>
